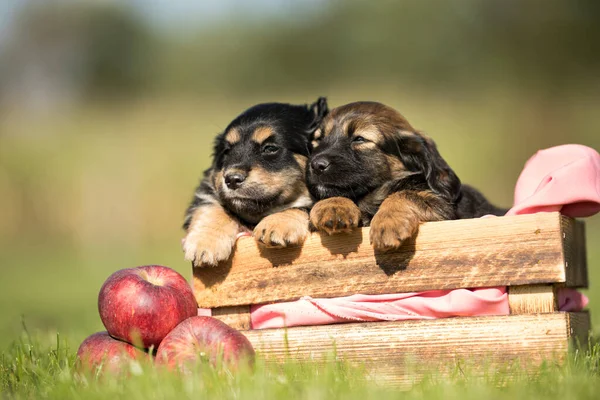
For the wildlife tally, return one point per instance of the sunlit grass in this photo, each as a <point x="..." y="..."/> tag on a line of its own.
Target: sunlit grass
<point x="34" y="368"/>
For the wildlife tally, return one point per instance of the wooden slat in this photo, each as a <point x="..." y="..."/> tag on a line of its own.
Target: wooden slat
<point x="579" y="328"/>
<point x="532" y="299"/>
<point x="573" y="235"/>
<point x="237" y="317"/>
<point x="504" y="251"/>
<point x="400" y="352"/>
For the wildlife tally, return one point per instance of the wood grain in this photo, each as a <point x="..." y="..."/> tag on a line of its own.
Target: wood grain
<point x="503" y="251"/>
<point x="574" y="249"/>
<point x="400" y="352"/>
<point x="237" y="317"/>
<point x="532" y="299"/>
<point x="579" y="329"/>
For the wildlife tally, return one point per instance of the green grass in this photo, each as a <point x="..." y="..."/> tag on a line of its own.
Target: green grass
<point x="31" y="369"/>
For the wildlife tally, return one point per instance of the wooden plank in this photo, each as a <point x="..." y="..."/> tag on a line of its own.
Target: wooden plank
<point x="400" y="352"/>
<point x="237" y="317"/>
<point x="574" y="247"/>
<point x="579" y="329"/>
<point x="503" y="251"/>
<point x="532" y="299"/>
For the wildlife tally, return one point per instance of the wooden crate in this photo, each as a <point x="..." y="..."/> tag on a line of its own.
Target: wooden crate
<point x="531" y="254"/>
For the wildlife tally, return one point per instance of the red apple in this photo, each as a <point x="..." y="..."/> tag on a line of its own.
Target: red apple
<point x="142" y="305"/>
<point x="200" y="338"/>
<point x="101" y="350"/>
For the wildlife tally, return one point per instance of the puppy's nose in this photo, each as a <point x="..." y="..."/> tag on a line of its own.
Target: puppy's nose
<point x="319" y="164"/>
<point x="234" y="180"/>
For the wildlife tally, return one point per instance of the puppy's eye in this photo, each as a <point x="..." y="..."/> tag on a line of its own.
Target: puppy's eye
<point x="270" y="149"/>
<point x="358" y="139"/>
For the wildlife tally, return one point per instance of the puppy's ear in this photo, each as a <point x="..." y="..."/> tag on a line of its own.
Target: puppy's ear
<point x="219" y="147"/>
<point x="438" y="174"/>
<point x="319" y="110"/>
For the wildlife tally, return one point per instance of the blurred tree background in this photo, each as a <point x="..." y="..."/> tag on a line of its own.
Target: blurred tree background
<point x="108" y="110"/>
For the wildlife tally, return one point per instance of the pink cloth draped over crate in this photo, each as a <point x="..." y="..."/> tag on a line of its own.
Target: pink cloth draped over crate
<point x="563" y="178"/>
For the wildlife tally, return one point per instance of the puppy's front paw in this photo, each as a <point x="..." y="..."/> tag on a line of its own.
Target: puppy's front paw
<point x="334" y="215"/>
<point x="390" y="230"/>
<point x="283" y="229"/>
<point x="203" y="248"/>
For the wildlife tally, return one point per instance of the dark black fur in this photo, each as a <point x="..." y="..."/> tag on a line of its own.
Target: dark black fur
<point x="293" y="126"/>
<point x="251" y="178"/>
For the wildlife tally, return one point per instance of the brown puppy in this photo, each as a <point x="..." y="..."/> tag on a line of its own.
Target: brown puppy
<point x="369" y="166"/>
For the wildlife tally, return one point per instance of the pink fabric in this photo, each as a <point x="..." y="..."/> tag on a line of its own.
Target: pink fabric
<point x="394" y="307"/>
<point x="571" y="300"/>
<point x="389" y="307"/>
<point x="563" y="178"/>
<point x="204" y="312"/>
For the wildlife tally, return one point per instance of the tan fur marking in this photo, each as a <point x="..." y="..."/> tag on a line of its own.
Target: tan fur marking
<point x="288" y="227"/>
<point x="396" y="166"/>
<point x="289" y="183"/>
<point x="261" y="176"/>
<point x="367" y="115"/>
<point x="301" y="160"/>
<point x="217" y="179"/>
<point x="262" y="133"/>
<point x="328" y="126"/>
<point x="365" y="145"/>
<point x="211" y="236"/>
<point x="335" y="215"/>
<point x="233" y="136"/>
<point x="295" y="189"/>
<point x="371" y="135"/>
<point x="363" y="122"/>
<point x="278" y="180"/>
<point x="400" y="215"/>
<point x="346" y="125"/>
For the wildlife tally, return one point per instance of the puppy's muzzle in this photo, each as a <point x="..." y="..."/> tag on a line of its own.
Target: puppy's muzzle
<point x="233" y="180"/>
<point x="320" y="164"/>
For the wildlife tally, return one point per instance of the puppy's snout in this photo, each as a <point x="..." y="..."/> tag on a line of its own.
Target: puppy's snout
<point x="234" y="179"/>
<point x="320" y="164"/>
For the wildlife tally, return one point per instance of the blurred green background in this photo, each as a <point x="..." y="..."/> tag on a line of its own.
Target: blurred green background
<point x="108" y="110"/>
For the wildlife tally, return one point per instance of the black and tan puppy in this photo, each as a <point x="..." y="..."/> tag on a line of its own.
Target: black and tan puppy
<point x="256" y="182"/>
<point x="369" y="166"/>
